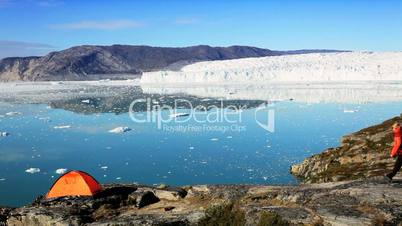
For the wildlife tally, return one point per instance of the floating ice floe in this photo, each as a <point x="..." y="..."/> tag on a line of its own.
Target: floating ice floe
<point x="229" y="137"/>
<point x="120" y="129"/>
<point x="118" y="178"/>
<point x="2" y="179"/>
<point x="61" y="171"/>
<point x="177" y="115"/>
<point x="13" y="113"/>
<point x="214" y="139"/>
<point x="104" y="167"/>
<point x="45" y="119"/>
<point x="4" y="134"/>
<point x="62" y="127"/>
<point x="86" y="101"/>
<point x="349" y="111"/>
<point x="32" y="170"/>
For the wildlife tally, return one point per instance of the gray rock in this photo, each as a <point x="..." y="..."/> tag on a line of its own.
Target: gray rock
<point x="171" y="194"/>
<point x="4" y="212"/>
<point x="141" y="198"/>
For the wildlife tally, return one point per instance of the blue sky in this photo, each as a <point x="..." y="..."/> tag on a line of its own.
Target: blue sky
<point x="44" y="25"/>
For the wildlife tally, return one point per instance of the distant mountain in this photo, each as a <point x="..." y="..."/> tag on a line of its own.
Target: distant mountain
<point x="120" y="61"/>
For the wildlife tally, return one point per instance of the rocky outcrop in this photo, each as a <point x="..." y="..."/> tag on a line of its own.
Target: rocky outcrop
<point x="119" y="61"/>
<point x="359" y="202"/>
<point x="363" y="154"/>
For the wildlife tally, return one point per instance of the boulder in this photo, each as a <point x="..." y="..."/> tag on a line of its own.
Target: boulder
<point x="142" y="198"/>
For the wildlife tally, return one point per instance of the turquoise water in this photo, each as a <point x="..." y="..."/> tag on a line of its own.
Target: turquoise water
<point x="245" y="153"/>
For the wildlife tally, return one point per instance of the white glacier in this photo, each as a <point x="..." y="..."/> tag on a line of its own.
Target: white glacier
<point x="315" y="67"/>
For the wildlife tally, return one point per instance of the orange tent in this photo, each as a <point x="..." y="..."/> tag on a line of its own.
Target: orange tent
<point x="74" y="183"/>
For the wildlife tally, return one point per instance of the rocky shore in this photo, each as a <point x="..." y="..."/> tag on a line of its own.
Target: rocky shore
<point x="362" y="154"/>
<point x="360" y="202"/>
<point x="344" y="186"/>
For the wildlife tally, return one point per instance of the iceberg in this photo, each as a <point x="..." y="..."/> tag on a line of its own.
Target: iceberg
<point x="61" y="171"/>
<point x="349" y="111"/>
<point x="13" y="113"/>
<point x="45" y="119"/>
<point x="32" y="170"/>
<point x="62" y="127"/>
<point x="120" y="129"/>
<point x="4" y="134"/>
<point x="177" y="115"/>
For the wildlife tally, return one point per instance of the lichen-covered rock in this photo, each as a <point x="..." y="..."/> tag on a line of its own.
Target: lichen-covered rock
<point x="361" y="155"/>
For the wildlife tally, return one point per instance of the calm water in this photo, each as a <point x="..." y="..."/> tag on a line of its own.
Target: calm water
<point x="245" y="153"/>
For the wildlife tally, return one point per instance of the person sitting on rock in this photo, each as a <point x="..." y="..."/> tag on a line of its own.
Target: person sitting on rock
<point x="396" y="150"/>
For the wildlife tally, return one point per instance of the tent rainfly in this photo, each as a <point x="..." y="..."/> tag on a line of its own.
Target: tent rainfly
<point x="74" y="183"/>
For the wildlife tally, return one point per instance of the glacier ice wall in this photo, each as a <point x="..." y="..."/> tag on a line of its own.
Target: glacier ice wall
<point x="316" y="67"/>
